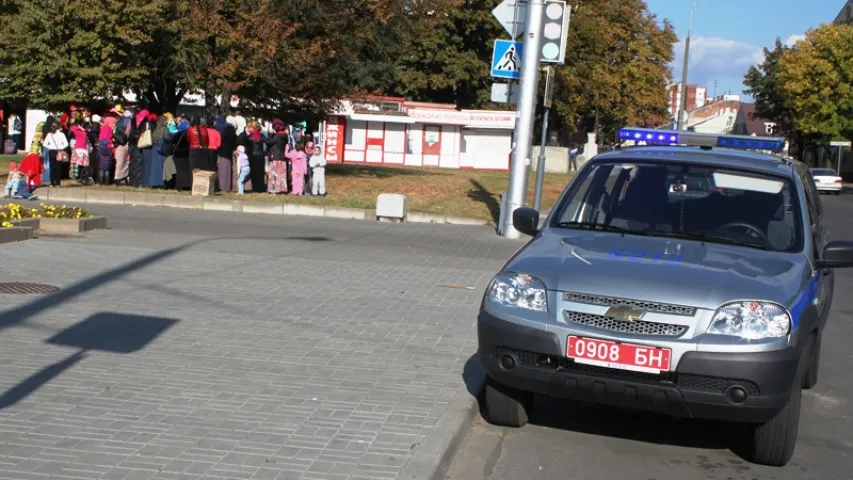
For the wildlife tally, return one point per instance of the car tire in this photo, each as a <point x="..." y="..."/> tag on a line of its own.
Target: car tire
<point x="810" y="377"/>
<point x="506" y="406"/>
<point x="773" y="443"/>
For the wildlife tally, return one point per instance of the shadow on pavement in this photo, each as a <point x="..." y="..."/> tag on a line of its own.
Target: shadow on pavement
<point x="19" y="315"/>
<point x="481" y="194"/>
<point x="474" y="377"/>
<point x="106" y="332"/>
<point x="639" y="426"/>
<point x="612" y="422"/>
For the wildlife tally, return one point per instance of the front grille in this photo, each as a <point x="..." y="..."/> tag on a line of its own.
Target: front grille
<point x="639" y="327"/>
<point x="686" y="381"/>
<point x="623" y="302"/>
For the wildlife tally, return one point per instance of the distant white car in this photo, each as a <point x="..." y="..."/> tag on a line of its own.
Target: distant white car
<point x="827" y="180"/>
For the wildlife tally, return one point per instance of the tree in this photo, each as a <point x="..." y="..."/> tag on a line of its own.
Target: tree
<point x="763" y="83"/>
<point x="59" y="52"/>
<point x="616" y="68"/>
<point x="816" y="83"/>
<point x="449" y="57"/>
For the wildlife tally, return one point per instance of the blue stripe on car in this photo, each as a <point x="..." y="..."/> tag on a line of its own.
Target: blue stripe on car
<point x="644" y="255"/>
<point x="805" y="299"/>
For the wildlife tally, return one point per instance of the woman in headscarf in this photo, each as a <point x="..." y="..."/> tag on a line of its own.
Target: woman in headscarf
<point x="278" y="161"/>
<point x="138" y="153"/>
<point x="224" y="154"/>
<point x="122" y="150"/>
<point x="254" y="143"/>
<point x="181" y="156"/>
<point x="167" y="149"/>
<point x="199" y="140"/>
<point x="214" y="141"/>
<point x="152" y="159"/>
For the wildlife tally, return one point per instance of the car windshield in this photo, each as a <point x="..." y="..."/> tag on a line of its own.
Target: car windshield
<point x="708" y="204"/>
<point x="823" y="172"/>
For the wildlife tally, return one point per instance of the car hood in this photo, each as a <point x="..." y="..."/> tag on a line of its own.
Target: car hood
<point x="667" y="270"/>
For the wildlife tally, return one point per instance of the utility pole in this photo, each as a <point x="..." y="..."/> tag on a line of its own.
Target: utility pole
<point x="682" y="111"/>
<point x="523" y="134"/>
<point x="540" y="166"/>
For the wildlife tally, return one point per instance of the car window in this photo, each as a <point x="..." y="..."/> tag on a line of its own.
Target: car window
<point x="812" y="199"/>
<point x="685" y="201"/>
<point x="823" y="172"/>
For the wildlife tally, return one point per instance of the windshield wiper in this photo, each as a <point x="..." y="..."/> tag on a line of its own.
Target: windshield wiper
<point x="602" y="228"/>
<point x="710" y="238"/>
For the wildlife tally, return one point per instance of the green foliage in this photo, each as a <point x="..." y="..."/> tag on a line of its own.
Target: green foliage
<point x="291" y="55"/>
<point x="762" y="82"/>
<point x="449" y="58"/>
<point x="816" y="81"/>
<point x="616" y="68"/>
<point x="57" y="52"/>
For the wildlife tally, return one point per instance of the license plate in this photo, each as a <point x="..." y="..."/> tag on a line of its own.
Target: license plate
<point x="623" y="356"/>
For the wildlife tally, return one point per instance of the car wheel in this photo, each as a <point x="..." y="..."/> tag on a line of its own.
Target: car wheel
<point x="811" y="375"/>
<point x="773" y="443"/>
<point x="506" y="406"/>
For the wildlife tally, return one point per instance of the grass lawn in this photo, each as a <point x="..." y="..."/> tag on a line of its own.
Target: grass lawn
<point x="463" y="193"/>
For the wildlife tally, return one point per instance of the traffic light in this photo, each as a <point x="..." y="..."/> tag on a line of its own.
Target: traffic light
<point x="555" y="31"/>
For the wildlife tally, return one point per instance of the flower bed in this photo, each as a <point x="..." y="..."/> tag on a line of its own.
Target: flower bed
<point x="12" y="211"/>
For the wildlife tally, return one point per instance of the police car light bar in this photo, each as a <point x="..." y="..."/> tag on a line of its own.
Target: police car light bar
<point x="650" y="136"/>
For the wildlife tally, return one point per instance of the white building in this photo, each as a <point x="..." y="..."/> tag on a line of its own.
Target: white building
<point x="396" y="132"/>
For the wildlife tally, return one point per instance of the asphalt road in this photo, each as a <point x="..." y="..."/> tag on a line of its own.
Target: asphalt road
<point x="569" y="441"/>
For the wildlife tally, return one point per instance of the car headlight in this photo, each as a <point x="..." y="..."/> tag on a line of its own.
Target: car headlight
<point x="751" y="320"/>
<point x="518" y="290"/>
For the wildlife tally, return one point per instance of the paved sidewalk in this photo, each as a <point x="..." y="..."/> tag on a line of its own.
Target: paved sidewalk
<point x="187" y="345"/>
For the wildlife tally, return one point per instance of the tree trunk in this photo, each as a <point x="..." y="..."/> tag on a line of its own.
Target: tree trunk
<point x="226" y="101"/>
<point x="209" y="99"/>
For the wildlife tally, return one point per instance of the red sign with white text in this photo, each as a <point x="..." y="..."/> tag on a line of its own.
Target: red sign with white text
<point x="623" y="356"/>
<point x="336" y="128"/>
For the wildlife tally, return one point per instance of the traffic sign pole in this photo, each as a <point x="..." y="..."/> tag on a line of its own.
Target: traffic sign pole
<point x="523" y="134"/>
<point x="540" y="166"/>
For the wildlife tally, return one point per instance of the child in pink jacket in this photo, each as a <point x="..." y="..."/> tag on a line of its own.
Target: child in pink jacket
<point x="299" y="167"/>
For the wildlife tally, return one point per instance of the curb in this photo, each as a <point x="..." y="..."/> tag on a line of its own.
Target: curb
<point x="156" y="199"/>
<point x="434" y="455"/>
<point x="16" y="234"/>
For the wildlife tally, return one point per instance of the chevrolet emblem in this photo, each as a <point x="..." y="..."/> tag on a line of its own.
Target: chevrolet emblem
<point x="625" y="314"/>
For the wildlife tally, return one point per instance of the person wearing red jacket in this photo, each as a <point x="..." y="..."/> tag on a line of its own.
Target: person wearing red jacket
<point x="199" y="139"/>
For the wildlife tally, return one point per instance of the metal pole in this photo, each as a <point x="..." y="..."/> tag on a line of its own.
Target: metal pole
<point x="683" y="107"/>
<point x="523" y="133"/>
<point x="511" y="83"/>
<point x="540" y="166"/>
<point x="840" y="151"/>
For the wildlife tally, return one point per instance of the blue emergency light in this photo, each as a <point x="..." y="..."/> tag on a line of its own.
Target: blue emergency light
<point x="650" y="136"/>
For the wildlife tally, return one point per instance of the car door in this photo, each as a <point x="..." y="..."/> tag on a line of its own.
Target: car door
<point x="820" y="237"/>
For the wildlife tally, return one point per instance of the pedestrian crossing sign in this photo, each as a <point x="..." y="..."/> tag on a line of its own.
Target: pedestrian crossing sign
<point x="506" y="59"/>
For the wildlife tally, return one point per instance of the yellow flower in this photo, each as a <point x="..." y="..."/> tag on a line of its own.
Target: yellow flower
<point x="7" y="225"/>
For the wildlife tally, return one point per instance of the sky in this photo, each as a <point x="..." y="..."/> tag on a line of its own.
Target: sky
<point x="727" y="36"/>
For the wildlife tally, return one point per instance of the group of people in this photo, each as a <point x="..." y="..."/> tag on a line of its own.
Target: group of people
<point x="143" y="149"/>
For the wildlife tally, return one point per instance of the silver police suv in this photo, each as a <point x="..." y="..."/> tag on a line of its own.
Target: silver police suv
<point x="692" y="276"/>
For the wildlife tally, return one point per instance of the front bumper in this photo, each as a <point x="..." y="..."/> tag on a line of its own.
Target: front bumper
<point x="698" y="388"/>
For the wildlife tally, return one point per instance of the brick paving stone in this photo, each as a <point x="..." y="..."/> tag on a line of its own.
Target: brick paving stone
<point x="288" y="348"/>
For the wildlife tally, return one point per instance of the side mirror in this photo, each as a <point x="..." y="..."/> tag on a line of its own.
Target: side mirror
<point x="526" y="220"/>
<point x="836" y="255"/>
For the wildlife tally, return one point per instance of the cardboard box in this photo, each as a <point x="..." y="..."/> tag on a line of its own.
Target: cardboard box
<point x="204" y="183"/>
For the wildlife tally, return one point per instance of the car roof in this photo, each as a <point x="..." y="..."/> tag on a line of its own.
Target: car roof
<point x="723" y="157"/>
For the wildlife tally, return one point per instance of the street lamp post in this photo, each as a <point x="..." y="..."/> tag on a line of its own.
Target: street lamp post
<point x="683" y="107"/>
